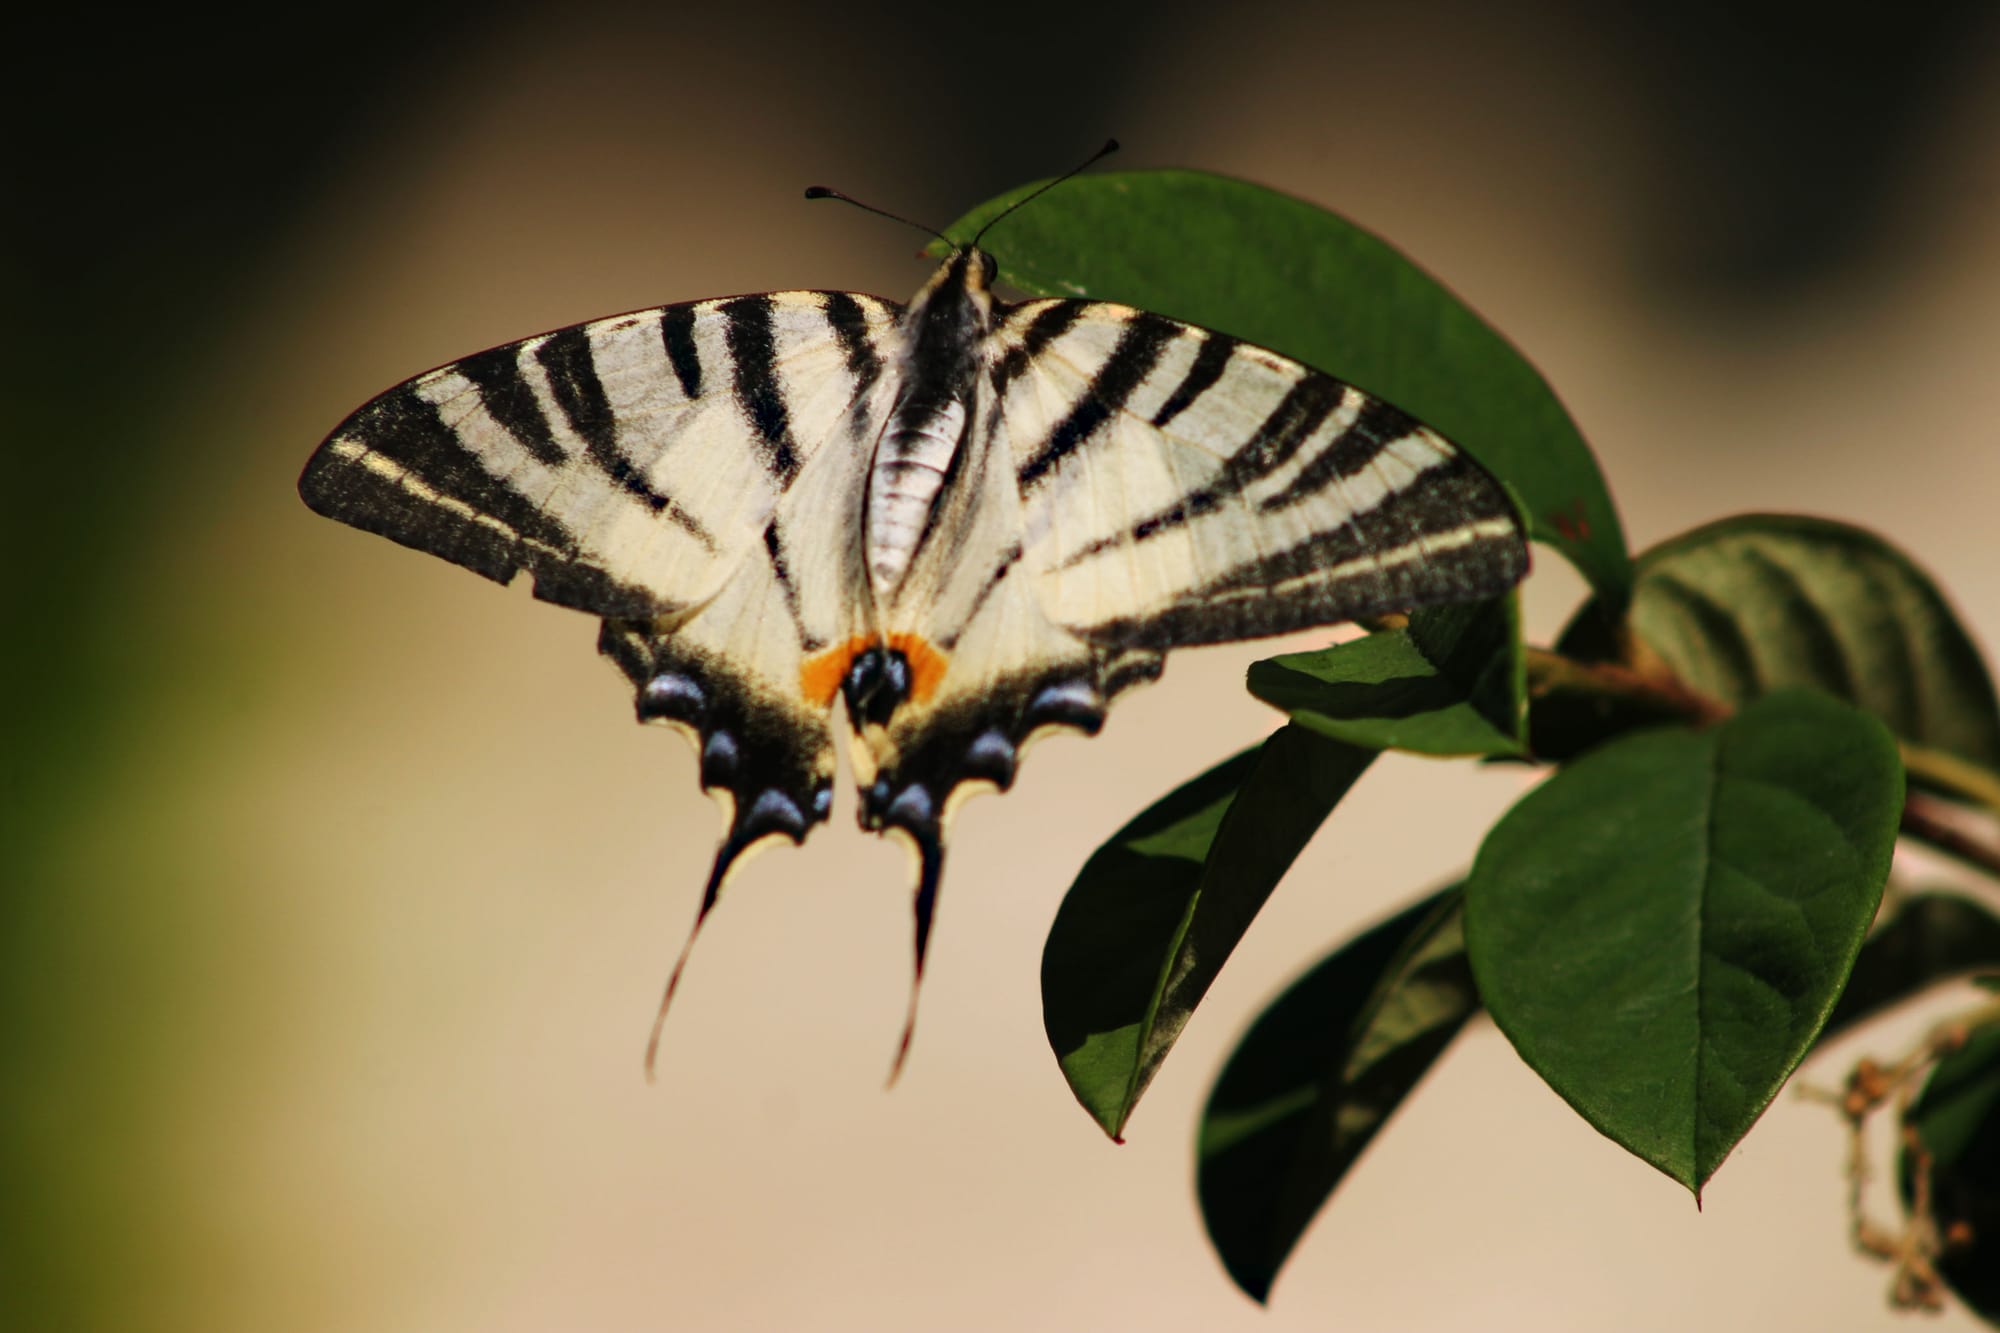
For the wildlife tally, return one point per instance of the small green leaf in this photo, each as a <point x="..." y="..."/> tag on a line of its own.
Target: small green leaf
<point x="1762" y="601"/>
<point x="1273" y="270"/>
<point x="1156" y="911"/>
<point x="1932" y="937"/>
<point x="1958" y="1119"/>
<point x="1320" y="1071"/>
<point x="1662" y="928"/>
<point x="1962" y="1098"/>
<point x="1449" y="684"/>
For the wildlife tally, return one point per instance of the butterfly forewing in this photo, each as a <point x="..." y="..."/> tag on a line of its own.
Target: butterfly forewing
<point x="630" y="463"/>
<point x="1231" y="492"/>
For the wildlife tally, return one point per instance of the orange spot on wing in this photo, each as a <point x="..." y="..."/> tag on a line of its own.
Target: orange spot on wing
<point x="820" y="675"/>
<point x="926" y="664"/>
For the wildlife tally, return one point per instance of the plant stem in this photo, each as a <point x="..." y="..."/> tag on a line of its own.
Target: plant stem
<point x="1960" y="777"/>
<point x="1552" y="673"/>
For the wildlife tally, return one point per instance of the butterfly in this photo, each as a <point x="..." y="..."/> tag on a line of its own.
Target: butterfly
<point x="966" y="522"/>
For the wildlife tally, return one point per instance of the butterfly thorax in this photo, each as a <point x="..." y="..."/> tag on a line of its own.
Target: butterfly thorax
<point x="941" y="333"/>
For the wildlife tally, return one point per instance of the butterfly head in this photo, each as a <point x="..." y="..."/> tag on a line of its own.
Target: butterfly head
<point x="968" y="270"/>
<point x="956" y="305"/>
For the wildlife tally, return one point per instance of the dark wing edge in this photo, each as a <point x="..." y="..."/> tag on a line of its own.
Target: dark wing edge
<point x="394" y="468"/>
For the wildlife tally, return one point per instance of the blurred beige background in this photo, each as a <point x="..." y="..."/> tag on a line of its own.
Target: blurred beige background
<point x="341" y="885"/>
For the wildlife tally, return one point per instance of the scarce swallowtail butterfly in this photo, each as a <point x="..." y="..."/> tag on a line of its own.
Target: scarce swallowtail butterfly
<point x="966" y="521"/>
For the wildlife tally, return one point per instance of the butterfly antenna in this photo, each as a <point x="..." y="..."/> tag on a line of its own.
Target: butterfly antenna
<point x="1110" y="147"/>
<point x="930" y="855"/>
<point x="824" y="192"/>
<point x="723" y="857"/>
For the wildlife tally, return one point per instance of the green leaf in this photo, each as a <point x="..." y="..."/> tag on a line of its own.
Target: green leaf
<point x="1449" y="684"/>
<point x="1156" y="911"/>
<point x="1763" y="601"/>
<point x="1931" y="937"/>
<point x="1274" y="270"/>
<point x="1320" y="1071"/>
<point x="1958" y="1119"/>
<point x="1662" y="928"/>
<point x="1961" y="1098"/>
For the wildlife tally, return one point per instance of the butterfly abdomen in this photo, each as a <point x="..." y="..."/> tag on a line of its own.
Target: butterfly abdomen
<point x="942" y="332"/>
<point x="903" y="485"/>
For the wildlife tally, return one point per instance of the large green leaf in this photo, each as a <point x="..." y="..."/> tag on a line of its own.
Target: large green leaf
<point x="1320" y="1071"/>
<point x="1449" y="683"/>
<point x="1156" y="911"/>
<point x="1762" y="601"/>
<point x="1958" y="1120"/>
<point x="1274" y="270"/>
<point x="1662" y="928"/>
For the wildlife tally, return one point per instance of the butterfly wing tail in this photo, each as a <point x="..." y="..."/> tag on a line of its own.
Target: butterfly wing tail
<point x="929" y="843"/>
<point x="769" y="761"/>
<point x="725" y="857"/>
<point x="751" y="823"/>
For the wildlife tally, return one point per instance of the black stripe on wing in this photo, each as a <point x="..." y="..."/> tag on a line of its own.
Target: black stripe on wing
<point x="1424" y="529"/>
<point x="1207" y="368"/>
<point x="1137" y="352"/>
<point x="1046" y="325"/>
<point x="677" y="339"/>
<point x="849" y="323"/>
<point x="397" y="469"/>
<point x="753" y="353"/>
<point x="1374" y="428"/>
<point x="510" y="400"/>
<point x="1303" y="409"/>
<point x="571" y="366"/>
<point x="1001" y="569"/>
<point x="781" y="574"/>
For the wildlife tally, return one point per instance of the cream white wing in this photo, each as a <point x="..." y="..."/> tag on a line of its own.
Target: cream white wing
<point x="629" y="464"/>
<point x="1179" y="486"/>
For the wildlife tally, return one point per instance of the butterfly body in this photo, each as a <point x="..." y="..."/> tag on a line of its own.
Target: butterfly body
<point x="967" y="522"/>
